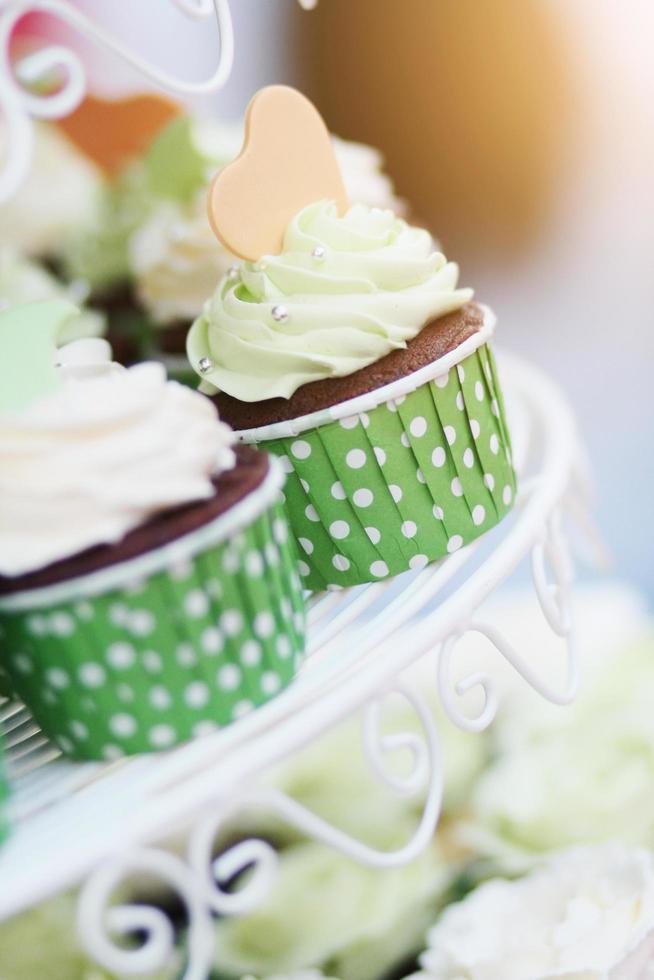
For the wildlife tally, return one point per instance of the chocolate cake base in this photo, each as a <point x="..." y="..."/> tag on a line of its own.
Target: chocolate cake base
<point x="434" y="340"/>
<point x="231" y="487"/>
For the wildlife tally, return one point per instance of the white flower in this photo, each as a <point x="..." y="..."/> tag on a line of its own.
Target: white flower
<point x="324" y="910"/>
<point x="585" y="915"/>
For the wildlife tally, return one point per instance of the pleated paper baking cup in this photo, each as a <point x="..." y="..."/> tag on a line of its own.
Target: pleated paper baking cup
<point x="397" y="483"/>
<point x="183" y="640"/>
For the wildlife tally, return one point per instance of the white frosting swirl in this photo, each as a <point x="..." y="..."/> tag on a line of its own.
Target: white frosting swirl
<point x="105" y="452"/>
<point x="60" y="195"/>
<point x="306" y="315"/>
<point x="363" y="173"/>
<point x="177" y="260"/>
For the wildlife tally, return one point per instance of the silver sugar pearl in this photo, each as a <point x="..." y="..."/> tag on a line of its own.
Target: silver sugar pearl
<point x="279" y="314"/>
<point x="318" y="253"/>
<point x="205" y="364"/>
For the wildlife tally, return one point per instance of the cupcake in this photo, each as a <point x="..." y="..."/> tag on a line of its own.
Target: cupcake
<point x="148" y="586"/>
<point x="354" y="356"/>
<point x="174" y="255"/>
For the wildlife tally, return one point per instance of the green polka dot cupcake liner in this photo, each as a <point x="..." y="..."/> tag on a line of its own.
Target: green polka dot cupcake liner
<point x="181" y="641"/>
<point x="4" y="797"/>
<point x="401" y="477"/>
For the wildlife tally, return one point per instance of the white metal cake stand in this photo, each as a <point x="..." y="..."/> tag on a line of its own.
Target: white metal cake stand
<point x="100" y="824"/>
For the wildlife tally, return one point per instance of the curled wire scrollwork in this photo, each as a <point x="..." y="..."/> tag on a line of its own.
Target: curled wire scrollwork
<point x="19" y="102"/>
<point x="107" y="931"/>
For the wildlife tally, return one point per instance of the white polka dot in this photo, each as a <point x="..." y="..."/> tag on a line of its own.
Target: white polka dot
<point x="196" y="694"/>
<point x="305" y="485"/>
<point x="205" y="727"/>
<point x="456" y="488"/>
<point x="395" y="491"/>
<point x="161" y="736"/>
<point x="338" y="493"/>
<point x="418" y="561"/>
<point x="62" y="624"/>
<point x="152" y="662"/>
<point x="507" y="495"/>
<point x="495" y="408"/>
<point x="160" y="697"/>
<point x="125" y="692"/>
<point x="57" y="678"/>
<point x="307" y="546"/>
<point x="241" y="709"/>
<point x="442" y="381"/>
<point x="450" y="434"/>
<point x="475" y="428"/>
<point x="49" y="696"/>
<point x="301" y="449"/>
<point x="251" y="653"/>
<point x="231" y="561"/>
<point x="284" y="647"/>
<point x="438" y="457"/>
<point x="478" y="514"/>
<point x="438" y="512"/>
<point x="181" y="569"/>
<point x="373" y="534"/>
<point x="214" y="588"/>
<point x="409" y="529"/>
<point x="350" y="422"/>
<point x="391" y="406"/>
<point x="311" y="514"/>
<point x="112" y="753"/>
<point x="121" y="655"/>
<point x="229" y="677"/>
<point x="355" y="459"/>
<point x="339" y="529"/>
<point x="420" y="476"/>
<point x="264" y="624"/>
<point x="270" y="682"/>
<point x="469" y="458"/>
<point x="212" y="640"/>
<point x="23" y="663"/>
<point x="231" y="622"/>
<point x="287" y="466"/>
<point x="400" y="399"/>
<point x="418" y="426"/>
<point x="489" y="481"/>
<point x="92" y="675"/>
<point x="186" y="655"/>
<point x="196" y="604"/>
<point x="404" y="439"/>
<point x="84" y="610"/>
<point x="380" y="455"/>
<point x="365" y="421"/>
<point x="286" y="607"/>
<point x="460" y="404"/>
<point x="494" y="444"/>
<point x="454" y="543"/>
<point x="271" y="553"/>
<point x="340" y="563"/>
<point x="141" y="622"/>
<point x="460" y="370"/>
<point x="363" y="497"/>
<point x="379" y="569"/>
<point x="79" y="730"/>
<point x="37" y="626"/>
<point x="280" y="530"/>
<point x="65" y="743"/>
<point x="254" y="564"/>
<point x="123" y="725"/>
<point x="303" y="568"/>
<point x="479" y="391"/>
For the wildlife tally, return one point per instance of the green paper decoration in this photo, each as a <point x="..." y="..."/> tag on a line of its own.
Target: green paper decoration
<point x="176" y="167"/>
<point x="28" y="341"/>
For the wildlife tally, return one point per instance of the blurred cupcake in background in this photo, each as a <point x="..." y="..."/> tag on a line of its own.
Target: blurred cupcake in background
<point x="148" y="591"/>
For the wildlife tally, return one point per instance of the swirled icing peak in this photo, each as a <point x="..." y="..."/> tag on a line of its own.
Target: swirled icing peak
<point x="344" y="292"/>
<point x="106" y="450"/>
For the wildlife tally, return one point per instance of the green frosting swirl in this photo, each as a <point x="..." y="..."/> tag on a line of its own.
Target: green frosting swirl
<point x="371" y="287"/>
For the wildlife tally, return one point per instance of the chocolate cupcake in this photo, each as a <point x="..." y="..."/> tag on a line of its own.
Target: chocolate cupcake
<point x="354" y="356"/>
<point x="148" y="590"/>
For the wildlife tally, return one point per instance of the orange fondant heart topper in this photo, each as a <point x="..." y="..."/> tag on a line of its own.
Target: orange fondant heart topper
<point x="286" y="163"/>
<point x="112" y="132"/>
